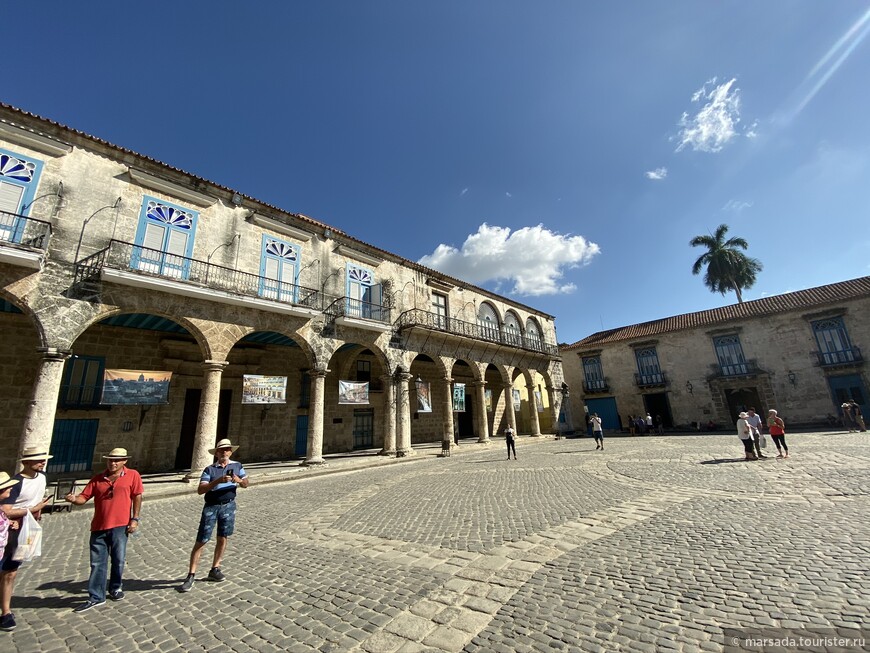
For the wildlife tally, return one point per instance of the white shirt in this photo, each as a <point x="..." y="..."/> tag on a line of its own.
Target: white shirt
<point x="31" y="492"/>
<point x="754" y="422"/>
<point x="649" y="420"/>
<point x="596" y="424"/>
<point x="743" y="431"/>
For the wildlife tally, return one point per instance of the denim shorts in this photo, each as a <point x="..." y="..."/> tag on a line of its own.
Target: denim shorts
<point x="224" y="515"/>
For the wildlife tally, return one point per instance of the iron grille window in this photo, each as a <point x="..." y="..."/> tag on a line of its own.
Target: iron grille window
<point x="82" y="385"/>
<point x="648" y="365"/>
<point x="833" y="341"/>
<point x="729" y="351"/>
<point x="593" y="373"/>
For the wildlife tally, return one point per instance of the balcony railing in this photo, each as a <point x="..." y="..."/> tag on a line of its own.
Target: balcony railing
<point x="420" y="318"/>
<point x="592" y="386"/>
<point x="152" y="262"/>
<point x="650" y="379"/>
<point x="21" y="231"/>
<point x="746" y="368"/>
<point x="844" y="357"/>
<point x="357" y="309"/>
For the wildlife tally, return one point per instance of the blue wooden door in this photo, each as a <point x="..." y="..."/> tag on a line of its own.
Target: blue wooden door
<point x="606" y="409"/>
<point x="846" y="387"/>
<point x="72" y="445"/>
<point x="301" y="436"/>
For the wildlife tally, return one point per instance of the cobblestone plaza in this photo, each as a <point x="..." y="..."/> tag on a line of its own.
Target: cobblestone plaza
<point x="656" y="543"/>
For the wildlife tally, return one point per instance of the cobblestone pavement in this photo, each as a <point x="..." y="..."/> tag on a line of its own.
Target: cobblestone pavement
<point x="657" y="543"/>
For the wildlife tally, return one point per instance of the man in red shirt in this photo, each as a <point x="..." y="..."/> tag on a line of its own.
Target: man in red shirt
<point x="117" y="494"/>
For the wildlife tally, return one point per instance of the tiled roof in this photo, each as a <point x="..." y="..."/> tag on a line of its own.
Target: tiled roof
<point x="407" y="262"/>
<point x="798" y="300"/>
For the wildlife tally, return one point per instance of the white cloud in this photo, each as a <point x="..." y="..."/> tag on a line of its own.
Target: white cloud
<point x="736" y="206"/>
<point x="715" y="124"/>
<point x="464" y="190"/>
<point x="508" y="195"/>
<point x="657" y="174"/>
<point x="532" y="258"/>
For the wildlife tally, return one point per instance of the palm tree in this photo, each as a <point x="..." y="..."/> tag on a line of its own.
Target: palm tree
<point x="727" y="267"/>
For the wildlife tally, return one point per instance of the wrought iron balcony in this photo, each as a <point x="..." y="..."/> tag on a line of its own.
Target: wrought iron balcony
<point x="130" y="258"/>
<point x="426" y="320"/>
<point x="593" y="386"/>
<point x="23" y="240"/>
<point x="355" y="309"/>
<point x="650" y="380"/>
<point x="746" y="368"/>
<point x="849" y="356"/>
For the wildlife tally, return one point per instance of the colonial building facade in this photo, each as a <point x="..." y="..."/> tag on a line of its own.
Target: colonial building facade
<point x="114" y="264"/>
<point x="799" y="353"/>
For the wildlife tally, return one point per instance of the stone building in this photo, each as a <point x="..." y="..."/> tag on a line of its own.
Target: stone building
<point x="111" y="261"/>
<point x="799" y="353"/>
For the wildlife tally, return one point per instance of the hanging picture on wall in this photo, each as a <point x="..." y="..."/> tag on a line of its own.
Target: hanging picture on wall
<point x="539" y="401"/>
<point x="258" y="389"/>
<point x="131" y="387"/>
<point x="458" y="397"/>
<point x="487" y="397"/>
<point x="517" y="402"/>
<point x="424" y="397"/>
<point x="353" y="392"/>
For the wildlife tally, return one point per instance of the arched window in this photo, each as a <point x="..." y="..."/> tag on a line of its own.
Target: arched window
<point x="534" y="339"/>
<point x="513" y="334"/>
<point x="278" y="268"/>
<point x="487" y="320"/>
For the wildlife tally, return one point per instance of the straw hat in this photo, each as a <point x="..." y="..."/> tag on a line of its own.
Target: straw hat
<point x="35" y="453"/>
<point x="223" y="444"/>
<point x="118" y="453"/>
<point x="6" y="482"/>
<point x="743" y="415"/>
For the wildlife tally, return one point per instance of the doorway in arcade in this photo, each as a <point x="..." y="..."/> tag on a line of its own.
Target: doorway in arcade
<point x="606" y="409"/>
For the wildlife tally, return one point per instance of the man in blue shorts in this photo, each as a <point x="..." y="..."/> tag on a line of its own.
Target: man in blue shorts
<point x="218" y="483"/>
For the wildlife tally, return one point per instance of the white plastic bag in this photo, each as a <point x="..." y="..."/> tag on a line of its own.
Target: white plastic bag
<point x="762" y="441"/>
<point x="29" y="540"/>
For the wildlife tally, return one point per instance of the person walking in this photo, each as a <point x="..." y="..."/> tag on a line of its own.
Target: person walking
<point x="858" y="415"/>
<point x="756" y="429"/>
<point x="776" y="428"/>
<point x="597" y="432"/>
<point x="7" y="622"/>
<point x="745" y="435"/>
<point x="632" y="428"/>
<point x="510" y="439"/>
<point x="848" y="417"/>
<point x="28" y="495"/>
<point x="648" y="423"/>
<point x="218" y="483"/>
<point x="117" y="494"/>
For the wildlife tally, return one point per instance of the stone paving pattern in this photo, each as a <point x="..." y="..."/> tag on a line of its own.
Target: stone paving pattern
<point x="657" y="543"/>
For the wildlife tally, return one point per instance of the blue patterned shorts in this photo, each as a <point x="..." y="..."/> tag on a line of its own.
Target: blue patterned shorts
<point x="224" y="515"/>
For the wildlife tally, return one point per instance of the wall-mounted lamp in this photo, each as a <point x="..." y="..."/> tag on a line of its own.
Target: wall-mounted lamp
<point x="466" y="305"/>
<point x="115" y="206"/>
<point x="689" y="387"/>
<point x="327" y="233"/>
<point x="303" y="268"/>
<point x="792" y="377"/>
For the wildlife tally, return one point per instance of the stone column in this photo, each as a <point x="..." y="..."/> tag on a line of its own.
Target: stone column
<point x="206" y="425"/>
<point x="555" y="403"/>
<point x="481" y="423"/>
<point x="39" y="422"/>
<point x="533" y="412"/>
<point x="389" y="417"/>
<point x="448" y="438"/>
<point x="403" y="415"/>
<point x="315" y="418"/>
<point x="510" y="413"/>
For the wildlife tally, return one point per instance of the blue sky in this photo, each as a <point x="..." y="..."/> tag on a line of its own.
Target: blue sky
<point x="560" y="153"/>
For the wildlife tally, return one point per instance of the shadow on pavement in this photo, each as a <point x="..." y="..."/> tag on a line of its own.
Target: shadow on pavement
<point x="720" y="461"/>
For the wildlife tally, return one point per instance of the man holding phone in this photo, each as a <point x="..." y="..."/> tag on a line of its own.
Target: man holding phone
<point x="218" y="483"/>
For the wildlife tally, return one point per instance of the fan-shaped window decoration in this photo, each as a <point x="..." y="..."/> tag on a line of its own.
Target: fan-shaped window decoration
<point x="14" y="168"/>
<point x="729" y="351"/>
<point x="487" y="320"/>
<point x="278" y="270"/>
<point x="360" y="275"/>
<point x="164" y="240"/>
<point x="533" y="334"/>
<point x="170" y="215"/>
<point x="512" y="332"/>
<point x="364" y="297"/>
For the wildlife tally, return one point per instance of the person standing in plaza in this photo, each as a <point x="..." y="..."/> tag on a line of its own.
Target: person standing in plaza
<point x="848" y="421"/>
<point x="510" y="439"/>
<point x="631" y="425"/>
<point x="755" y="427"/>
<point x="117" y="494"/>
<point x="597" y="431"/>
<point x="745" y="435"/>
<point x="648" y="423"/>
<point x="28" y="495"/>
<point x="858" y="415"/>
<point x="218" y="483"/>
<point x="776" y="428"/>
<point x="7" y="622"/>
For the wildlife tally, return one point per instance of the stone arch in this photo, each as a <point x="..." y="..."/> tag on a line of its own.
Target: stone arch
<point x="34" y="320"/>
